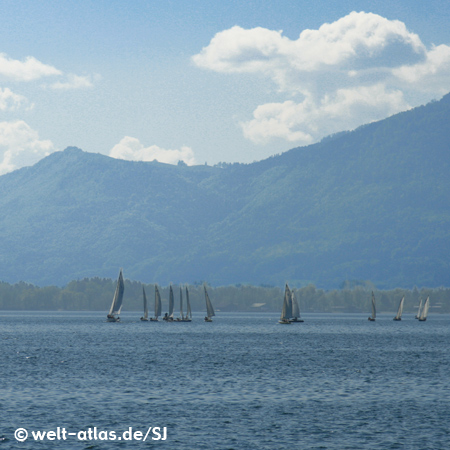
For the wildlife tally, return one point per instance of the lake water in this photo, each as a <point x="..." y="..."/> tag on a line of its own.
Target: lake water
<point x="241" y="382"/>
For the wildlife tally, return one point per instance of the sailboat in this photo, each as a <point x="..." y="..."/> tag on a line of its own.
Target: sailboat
<point x="419" y="310"/>
<point x="295" y="310"/>
<point x="400" y="310"/>
<point x="286" y="311"/>
<point x="209" y="307"/>
<point x="116" y="304"/>
<point x="157" y="305"/>
<point x="181" y="318"/>
<point x="188" y="316"/>
<point x="169" y="317"/>
<point x="145" y="317"/>
<point x="424" y="313"/>
<point x="374" y="311"/>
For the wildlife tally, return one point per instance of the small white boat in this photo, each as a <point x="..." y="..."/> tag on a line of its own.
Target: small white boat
<point x="419" y="310"/>
<point x="157" y="305"/>
<point x="188" y="316"/>
<point x="116" y="305"/>
<point x="424" y="313"/>
<point x="286" y="311"/>
<point x="168" y="317"/>
<point x="374" y="310"/>
<point x="295" y="310"/>
<point x="145" y="317"/>
<point x="181" y="318"/>
<point x="400" y="310"/>
<point x="209" y="308"/>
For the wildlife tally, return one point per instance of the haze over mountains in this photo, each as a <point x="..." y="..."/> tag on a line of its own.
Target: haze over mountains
<point x="372" y="204"/>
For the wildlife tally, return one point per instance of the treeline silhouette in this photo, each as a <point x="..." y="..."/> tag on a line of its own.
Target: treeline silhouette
<point x="95" y="294"/>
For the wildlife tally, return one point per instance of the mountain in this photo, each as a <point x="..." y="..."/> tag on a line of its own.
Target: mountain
<point x="371" y="204"/>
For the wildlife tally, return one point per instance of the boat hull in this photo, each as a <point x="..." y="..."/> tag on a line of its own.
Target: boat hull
<point x="397" y="319"/>
<point x="144" y="320"/>
<point x="370" y="319"/>
<point x="296" y="320"/>
<point x="284" y="322"/>
<point x="113" y="319"/>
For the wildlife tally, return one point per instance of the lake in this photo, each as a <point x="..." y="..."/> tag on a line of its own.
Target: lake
<point x="241" y="382"/>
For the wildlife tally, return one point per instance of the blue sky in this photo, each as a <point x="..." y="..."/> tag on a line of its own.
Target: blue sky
<point x="208" y="81"/>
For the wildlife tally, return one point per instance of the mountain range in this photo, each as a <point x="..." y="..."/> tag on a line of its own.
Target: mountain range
<point x="370" y="204"/>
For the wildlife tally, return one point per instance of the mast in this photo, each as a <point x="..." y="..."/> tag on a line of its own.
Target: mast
<point x="116" y="305"/>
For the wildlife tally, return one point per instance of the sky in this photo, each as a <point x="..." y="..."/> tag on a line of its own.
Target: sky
<point x="205" y="81"/>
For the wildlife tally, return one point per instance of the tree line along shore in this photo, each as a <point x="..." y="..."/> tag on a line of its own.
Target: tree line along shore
<point x="95" y="294"/>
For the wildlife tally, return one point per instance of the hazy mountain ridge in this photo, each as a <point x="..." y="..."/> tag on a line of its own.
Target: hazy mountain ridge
<point x="368" y="204"/>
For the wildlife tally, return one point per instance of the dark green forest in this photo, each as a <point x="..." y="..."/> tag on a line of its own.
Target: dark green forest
<point x="95" y="294"/>
<point x="371" y="204"/>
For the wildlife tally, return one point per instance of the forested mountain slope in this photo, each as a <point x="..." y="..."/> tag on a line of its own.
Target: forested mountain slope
<point x="371" y="204"/>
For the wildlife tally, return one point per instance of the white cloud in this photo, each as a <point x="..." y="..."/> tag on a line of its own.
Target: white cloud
<point x="361" y="68"/>
<point x="26" y="70"/>
<point x="303" y="122"/>
<point x="131" y="149"/>
<point x="432" y="75"/>
<point x="9" y="101"/>
<point x="73" y="82"/>
<point x="20" y="146"/>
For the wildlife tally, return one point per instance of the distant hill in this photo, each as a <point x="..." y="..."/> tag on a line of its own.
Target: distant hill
<point x="372" y="204"/>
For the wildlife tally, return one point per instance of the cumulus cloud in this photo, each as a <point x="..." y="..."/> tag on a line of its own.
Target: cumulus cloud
<point x="20" y="146"/>
<point x="9" y="101"/>
<point x="360" y="68"/>
<point x="304" y="122"/>
<point x="73" y="82"/>
<point x="27" y="70"/>
<point x="131" y="149"/>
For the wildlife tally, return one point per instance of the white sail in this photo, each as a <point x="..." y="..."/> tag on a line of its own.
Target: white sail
<point x="400" y="309"/>
<point x="424" y="313"/>
<point x="295" y="307"/>
<point x="171" y="302"/>
<point x="157" y="302"/>
<point x="188" y="305"/>
<point x="374" y="310"/>
<point x="209" y="307"/>
<point x="286" y="311"/>
<point x="419" y="310"/>
<point x="145" y="304"/>
<point x="116" y="304"/>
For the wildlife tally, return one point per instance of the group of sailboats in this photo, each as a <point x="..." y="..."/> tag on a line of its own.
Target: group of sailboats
<point x="290" y="312"/>
<point x="169" y="317"/>
<point x="116" y="306"/>
<point x="421" y="314"/>
<point x="157" y="306"/>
